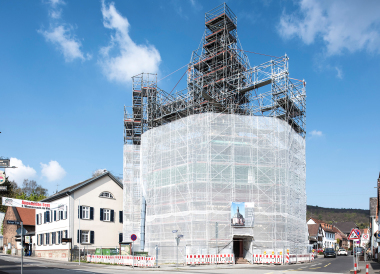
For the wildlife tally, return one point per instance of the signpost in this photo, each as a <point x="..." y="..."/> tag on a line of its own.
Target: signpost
<point x="4" y="163"/>
<point x="354" y="237"/>
<point x="133" y="238"/>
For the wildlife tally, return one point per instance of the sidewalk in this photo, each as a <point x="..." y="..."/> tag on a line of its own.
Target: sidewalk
<point x="373" y="267"/>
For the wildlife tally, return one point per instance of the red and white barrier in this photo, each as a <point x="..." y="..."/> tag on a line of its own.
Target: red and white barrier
<point x="355" y="268"/>
<point x="209" y="259"/>
<point x="366" y="268"/>
<point x="123" y="260"/>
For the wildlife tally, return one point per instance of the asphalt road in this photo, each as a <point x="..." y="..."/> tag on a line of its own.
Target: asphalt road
<point x="10" y="264"/>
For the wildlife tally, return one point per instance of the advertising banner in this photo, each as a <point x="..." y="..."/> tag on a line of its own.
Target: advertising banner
<point x="242" y="214"/>
<point x="31" y="204"/>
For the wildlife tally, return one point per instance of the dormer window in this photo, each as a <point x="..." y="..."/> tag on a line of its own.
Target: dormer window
<point x="106" y="194"/>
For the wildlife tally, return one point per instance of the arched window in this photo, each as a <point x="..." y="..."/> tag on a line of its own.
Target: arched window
<point x="106" y="194"/>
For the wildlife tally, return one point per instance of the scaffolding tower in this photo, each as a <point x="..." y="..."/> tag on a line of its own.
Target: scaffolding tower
<point x="236" y="133"/>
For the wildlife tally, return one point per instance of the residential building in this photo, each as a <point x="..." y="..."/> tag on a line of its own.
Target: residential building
<point x="343" y="241"/>
<point x="373" y="222"/>
<point x="328" y="234"/>
<point x="18" y="214"/>
<point x="92" y="217"/>
<point x="315" y="235"/>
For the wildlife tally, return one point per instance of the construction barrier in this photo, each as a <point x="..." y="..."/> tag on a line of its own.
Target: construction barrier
<point x="279" y="259"/>
<point x="209" y="259"/>
<point x="123" y="260"/>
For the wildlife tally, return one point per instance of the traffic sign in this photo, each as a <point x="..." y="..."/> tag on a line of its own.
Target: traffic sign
<point x="10" y="222"/>
<point x="353" y="235"/>
<point x="133" y="237"/>
<point x="24" y="231"/>
<point x="2" y="177"/>
<point x="365" y="236"/>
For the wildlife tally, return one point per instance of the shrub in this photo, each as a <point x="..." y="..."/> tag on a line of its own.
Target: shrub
<point x="8" y="251"/>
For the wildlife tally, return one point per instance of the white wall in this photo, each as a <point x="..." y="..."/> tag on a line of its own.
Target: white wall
<point x="52" y="226"/>
<point x="106" y="233"/>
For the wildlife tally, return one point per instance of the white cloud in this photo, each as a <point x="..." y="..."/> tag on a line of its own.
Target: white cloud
<point x="339" y="73"/>
<point x="316" y="133"/>
<point x="21" y="172"/>
<point x="342" y="24"/>
<point x="131" y="59"/>
<point x="61" y="34"/>
<point x="65" y="42"/>
<point x="52" y="171"/>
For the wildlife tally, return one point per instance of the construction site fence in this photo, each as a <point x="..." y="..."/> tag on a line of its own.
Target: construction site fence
<point x="210" y="259"/>
<point x="281" y="259"/>
<point x="138" y="261"/>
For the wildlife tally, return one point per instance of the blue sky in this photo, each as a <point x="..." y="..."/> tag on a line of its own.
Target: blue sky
<point x="65" y="69"/>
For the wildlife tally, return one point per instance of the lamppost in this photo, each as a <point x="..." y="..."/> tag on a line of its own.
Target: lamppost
<point x="178" y="239"/>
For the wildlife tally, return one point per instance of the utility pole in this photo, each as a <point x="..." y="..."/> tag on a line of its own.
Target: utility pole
<point x="80" y="233"/>
<point x="22" y="245"/>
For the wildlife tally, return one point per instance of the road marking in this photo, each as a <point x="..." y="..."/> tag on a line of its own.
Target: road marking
<point x="315" y="267"/>
<point x="269" y="273"/>
<point x="327" y="264"/>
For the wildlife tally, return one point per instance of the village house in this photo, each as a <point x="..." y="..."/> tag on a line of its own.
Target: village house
<point x="91" y="217"/>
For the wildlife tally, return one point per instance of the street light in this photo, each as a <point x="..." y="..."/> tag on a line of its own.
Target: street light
<point x="178" y="239"/>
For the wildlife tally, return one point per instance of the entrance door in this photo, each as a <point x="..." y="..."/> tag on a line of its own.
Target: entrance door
<point x="238" y="248"/>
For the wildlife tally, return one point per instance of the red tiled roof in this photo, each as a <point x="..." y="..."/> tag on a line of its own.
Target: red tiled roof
<point x="27" y="215"/>
<point x="317" y="221"/>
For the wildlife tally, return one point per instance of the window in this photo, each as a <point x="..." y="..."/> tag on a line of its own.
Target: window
<point x="86" y="236"/>
<point x="59" y="237"/>
<point x="41" y="239"/>
<point x="85" y="212"/>
<point x="47" y="238"/>
<point x="106" y="194"/>
<point x="107" y="215"/>
<point x="53" y="238"/>
<point x="120" y="216"/>
<point x="63" y="235"/>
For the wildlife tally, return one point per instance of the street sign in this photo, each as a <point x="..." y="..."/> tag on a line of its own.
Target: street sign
<point x="10" y="222"/>
<point x="2" y="177"/>
<point x="4" y="162"/>
<point x="353" y="235"/>
<point x="133" y="237"/>
<point x="66" y="240"/>
<point x="174" y="231"/>
<point x="365" y="236"/>
<point x="3" y="188"/>
<point x="18" y="231"/>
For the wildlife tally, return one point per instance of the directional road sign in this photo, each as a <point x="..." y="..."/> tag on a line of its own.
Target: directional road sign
<point x="353" y="235"/>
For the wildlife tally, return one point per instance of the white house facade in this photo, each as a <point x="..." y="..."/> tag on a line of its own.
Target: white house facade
<point x="92" y="217"/>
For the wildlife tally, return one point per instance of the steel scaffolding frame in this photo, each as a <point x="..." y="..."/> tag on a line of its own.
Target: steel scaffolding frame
<point x="236" y="133"/>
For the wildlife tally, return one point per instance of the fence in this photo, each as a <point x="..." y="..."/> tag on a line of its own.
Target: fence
<point x="138" y="261"/>
<point x="280" y="259"/>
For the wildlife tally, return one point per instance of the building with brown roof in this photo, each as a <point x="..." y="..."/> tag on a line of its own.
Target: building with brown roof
<point x="25" y="215"/>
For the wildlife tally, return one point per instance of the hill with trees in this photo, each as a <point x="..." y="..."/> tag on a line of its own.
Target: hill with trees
<point x="337" y="215"/>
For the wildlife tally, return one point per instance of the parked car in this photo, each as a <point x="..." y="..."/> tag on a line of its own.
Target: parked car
<point x="359" y="251"/>
<point x="329" y="252"/>
<point x="342" y="251"/>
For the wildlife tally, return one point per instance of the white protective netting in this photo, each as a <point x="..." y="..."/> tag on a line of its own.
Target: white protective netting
<point x="193" y="168"/>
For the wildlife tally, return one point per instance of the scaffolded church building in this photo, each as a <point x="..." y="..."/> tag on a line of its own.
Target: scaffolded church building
<point x="236" y="134"/>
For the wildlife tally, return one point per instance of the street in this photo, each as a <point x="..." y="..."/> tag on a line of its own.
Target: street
<point x="10" y="264"/>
